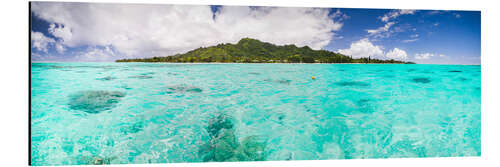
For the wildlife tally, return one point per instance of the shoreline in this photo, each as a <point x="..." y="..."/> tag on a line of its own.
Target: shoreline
<point x="260" y="63"/>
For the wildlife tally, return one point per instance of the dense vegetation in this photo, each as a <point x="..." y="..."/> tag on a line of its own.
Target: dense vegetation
<point x="249" y="50"/>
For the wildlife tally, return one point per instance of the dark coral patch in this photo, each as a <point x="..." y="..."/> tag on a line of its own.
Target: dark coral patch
<point x="351" y="83"/>
<point x="364" y="106"/>
<point x="218" y="123"/>
<point x="182" y="89"/>
<point x="141" y="77"/>
<point x="94" y="101"/>
<point x="146" y="75"/>
<point x="363" y="101"/>
<point x="170" y="73"/>
<point x="252" y="149"/>
<point x="108" y="78"/>
<point x="224" y="146"/>
<point x="280" y="81"/>
<point x="421" y="80"/>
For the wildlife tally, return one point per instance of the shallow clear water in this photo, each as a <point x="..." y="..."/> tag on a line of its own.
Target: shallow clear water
<point x="93" y="113"/>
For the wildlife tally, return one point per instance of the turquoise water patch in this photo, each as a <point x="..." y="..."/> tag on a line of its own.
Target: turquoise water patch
<point x="280" y="81"/>
<point x="251" y="112"/>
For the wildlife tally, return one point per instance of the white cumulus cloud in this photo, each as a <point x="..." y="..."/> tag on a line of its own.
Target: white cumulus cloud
<point x="64" y="33"/>
<point x="397" y="54"/>
<point x="143" y="30"/>
<point x="60" y="48"/>
<point x="363" y="48"/>
<point x="40" y="41"/>
<point x="95" y="54"/>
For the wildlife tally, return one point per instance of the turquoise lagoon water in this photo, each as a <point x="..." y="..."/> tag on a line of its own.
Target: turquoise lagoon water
<point x="117" y="113"/>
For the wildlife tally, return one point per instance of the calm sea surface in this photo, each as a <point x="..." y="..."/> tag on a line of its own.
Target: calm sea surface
<point x="102" y="113"/>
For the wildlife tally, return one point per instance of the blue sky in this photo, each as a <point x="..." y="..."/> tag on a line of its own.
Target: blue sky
<point x="106" y="32"/>
<point x="455" y="34"/>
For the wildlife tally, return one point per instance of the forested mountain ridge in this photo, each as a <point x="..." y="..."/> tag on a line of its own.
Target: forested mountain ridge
<point x="249" y="50"/>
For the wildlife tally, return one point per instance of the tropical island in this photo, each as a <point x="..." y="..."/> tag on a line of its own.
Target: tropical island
<point x="249" y="50"/>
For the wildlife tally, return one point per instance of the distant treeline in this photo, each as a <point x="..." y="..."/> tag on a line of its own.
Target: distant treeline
<point x="249" y="50"/>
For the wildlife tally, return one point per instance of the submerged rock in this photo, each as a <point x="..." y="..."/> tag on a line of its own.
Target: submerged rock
<point x="93" y="101"/>
<point x="421" y="80"/>
<point x="218" y="123"/>
<point x="97" y="160"/>
<point x="252" y="149"/>
<point x="454" y="71"/>
<point x="224" y="146"/>
<point x="352" y="83"/>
